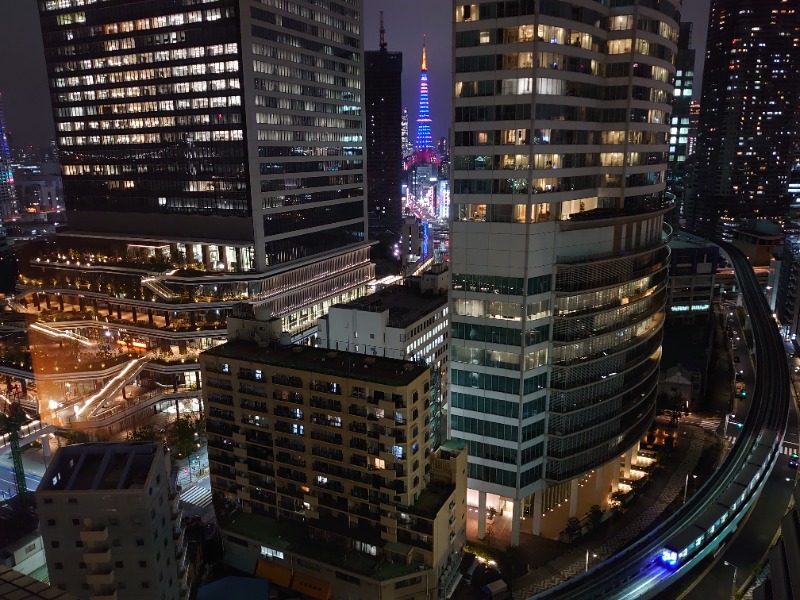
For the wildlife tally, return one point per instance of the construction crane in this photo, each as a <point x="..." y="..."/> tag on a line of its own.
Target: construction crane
<point x="10" y="423"/>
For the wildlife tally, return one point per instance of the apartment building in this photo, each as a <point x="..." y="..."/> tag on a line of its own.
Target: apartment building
<point x="324" y="459"/>
<point x="406" y="322"/>
<point x="110" y="525"/>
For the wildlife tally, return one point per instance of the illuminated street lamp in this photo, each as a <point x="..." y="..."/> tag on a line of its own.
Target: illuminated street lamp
<point x="733" y="590"/>
<point x="587" y="559"/>
<point x="686" y="486"/>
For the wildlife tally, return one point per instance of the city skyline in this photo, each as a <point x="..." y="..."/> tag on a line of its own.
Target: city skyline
<point x="24" y="79"/>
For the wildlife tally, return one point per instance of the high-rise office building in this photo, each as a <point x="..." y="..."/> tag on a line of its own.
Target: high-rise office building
<point x="384" y="107"/>
<point x="679" y="122"/>
<point x="212" y="153"/>
<point x="110" y="524"/>
<point x="694" y="119"/>
<point x="558" y="247"/>
<point x="8" y="204"/>
<point x="749" y="113"/>
<point x="227" y="136"/>
<point x="405" y="141"/>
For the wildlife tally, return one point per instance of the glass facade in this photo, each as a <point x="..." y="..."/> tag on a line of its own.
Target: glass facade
<point x="560" y="143"/>
<point x="148" y="107"/>
<point x="215" y="120"/>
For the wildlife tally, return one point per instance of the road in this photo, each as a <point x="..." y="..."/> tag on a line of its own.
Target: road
<point x="8" y="485"/>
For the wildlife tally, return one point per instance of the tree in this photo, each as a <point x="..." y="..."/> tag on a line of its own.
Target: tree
<point x="181" y="437"/>
<point x="596" y="515"/>
<point x="573" y="525"/>
<point x="76" y="437"/>
<point x="143" y="433"/>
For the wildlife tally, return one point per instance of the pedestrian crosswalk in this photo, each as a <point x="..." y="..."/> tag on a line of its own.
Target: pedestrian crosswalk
<point x="197" y="496"/>
<point x="711" y="425"/>
<point x="787" y="449"/>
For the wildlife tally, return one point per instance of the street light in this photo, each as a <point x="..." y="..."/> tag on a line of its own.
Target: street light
<point x="587" y="559"/>
<point x="733" y="591"/>
<point x="686" y="486"/>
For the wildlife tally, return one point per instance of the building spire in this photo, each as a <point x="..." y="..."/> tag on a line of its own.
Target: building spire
<point x="424" y="55"/>
<point x="383" y="34"/>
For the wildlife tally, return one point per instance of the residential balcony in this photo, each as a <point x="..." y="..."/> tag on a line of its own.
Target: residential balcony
<point x="104" y="577"/>
<point x="97" y="536"/>
<point x="97" y="556"/>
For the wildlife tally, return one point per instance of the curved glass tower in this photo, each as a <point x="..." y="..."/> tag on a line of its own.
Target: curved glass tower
<point x="558" y="246"/>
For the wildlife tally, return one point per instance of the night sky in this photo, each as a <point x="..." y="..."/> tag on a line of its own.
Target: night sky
<point x="27" y="102"/>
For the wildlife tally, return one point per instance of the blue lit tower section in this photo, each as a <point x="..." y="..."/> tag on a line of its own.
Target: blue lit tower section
<point x="424" y="140"/>
<point x="7" y="196"/>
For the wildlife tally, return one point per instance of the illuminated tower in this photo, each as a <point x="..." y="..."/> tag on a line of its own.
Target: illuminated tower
<point x="7" y="196"/>
<point x="424" y="140"/>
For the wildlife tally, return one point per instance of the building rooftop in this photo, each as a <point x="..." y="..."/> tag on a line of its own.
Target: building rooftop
<point x="405" y="304"/>
<point x="291" y="536"/>
<point x="16" y="586"/>
<point x="101" y="466"/>
<point x="377" y="369"/>
<point x="687" y="240"/>
<point x="430" y="501"/>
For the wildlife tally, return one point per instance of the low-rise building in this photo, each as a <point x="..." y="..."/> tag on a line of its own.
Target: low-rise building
<point x="323" y="460"/>
<point x="14" y="584"/>
<point x="405" y="322"/>
<point x="681" y="382"/>
<point x="692" y="270"/>
<point x="111" y="525"/>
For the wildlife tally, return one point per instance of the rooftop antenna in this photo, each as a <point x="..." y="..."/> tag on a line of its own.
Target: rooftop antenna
<point x="383" y="34"/>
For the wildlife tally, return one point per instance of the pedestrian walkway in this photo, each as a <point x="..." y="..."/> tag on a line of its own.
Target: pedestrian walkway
<point x="197" y="496"/>
<point x="574" y="562"/>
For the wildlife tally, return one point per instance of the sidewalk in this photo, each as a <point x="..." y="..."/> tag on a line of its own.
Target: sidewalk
<point x="618" y="532"/>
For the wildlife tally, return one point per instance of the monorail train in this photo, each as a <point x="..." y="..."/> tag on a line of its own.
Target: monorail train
<point x="708" y="524"/>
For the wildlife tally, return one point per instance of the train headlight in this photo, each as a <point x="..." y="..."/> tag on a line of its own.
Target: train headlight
<point x="669" y="558"/>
